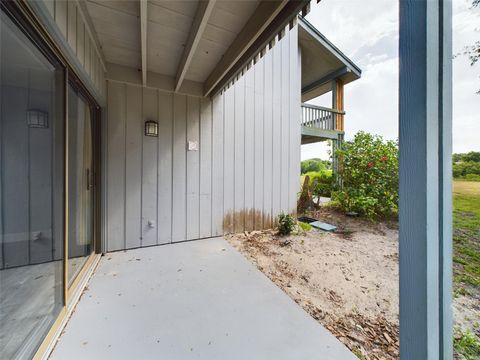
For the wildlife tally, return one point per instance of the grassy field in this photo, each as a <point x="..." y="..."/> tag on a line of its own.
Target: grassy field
<point x="466" y="259"/>
<point x="466" y="235"/>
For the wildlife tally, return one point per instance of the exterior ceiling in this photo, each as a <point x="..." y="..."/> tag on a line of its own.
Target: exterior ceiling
<point x="322" y="62"/>
<point x="117" y="25"/>
<point x="169" y="25"/>
<point x="227" y="20"/>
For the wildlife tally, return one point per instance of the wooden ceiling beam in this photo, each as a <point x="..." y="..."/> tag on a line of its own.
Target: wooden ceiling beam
<point x="204" y="10"/>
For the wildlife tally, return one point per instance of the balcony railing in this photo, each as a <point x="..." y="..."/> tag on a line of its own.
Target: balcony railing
<point x="320" y="117"/>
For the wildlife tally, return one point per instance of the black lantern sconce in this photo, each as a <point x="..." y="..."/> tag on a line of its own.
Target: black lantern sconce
<point x="151" y="128"/>
<point x="37" y="119"/>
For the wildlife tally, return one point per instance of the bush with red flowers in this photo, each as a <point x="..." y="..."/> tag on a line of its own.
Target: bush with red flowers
<point x="368" y="166"/>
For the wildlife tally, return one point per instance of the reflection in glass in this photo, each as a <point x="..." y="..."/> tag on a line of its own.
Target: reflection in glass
<point x="31" y="193"/>
<point x="80" y="183"/>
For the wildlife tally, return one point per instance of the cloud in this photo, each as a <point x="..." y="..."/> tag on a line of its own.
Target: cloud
<point x="367" y="32"/>
<point x="354" y="25"/>
<point x="372" y="104"/>
<point x="466" y="79"/>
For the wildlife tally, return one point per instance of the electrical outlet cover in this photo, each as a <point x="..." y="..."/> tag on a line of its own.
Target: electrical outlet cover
<point x="192" y="145"/>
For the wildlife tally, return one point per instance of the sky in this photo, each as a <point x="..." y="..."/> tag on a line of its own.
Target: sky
<point x="367" y="32"/>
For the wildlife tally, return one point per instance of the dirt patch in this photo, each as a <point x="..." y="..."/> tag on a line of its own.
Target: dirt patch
<point x="345" y="280"/>
<point x="348" y="280"/>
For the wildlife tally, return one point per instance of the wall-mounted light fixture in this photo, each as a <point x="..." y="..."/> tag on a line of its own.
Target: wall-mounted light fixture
<point x="151" y="128"/>
<point x="37" y="119"/>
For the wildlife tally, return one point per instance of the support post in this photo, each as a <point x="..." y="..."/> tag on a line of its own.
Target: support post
<point x="425" y="132"/>
<point x="336" y="144"/>
<point x="334" y="103"/>
<point x="337" y="102"/>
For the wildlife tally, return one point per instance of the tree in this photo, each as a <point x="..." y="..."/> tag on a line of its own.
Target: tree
<point x="368" y="167"/>
<point x="473" y="156"/>
<point x="473" y="51"/>
<point x="314" y="165"/>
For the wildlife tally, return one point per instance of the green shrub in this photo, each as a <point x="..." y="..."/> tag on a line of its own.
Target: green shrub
<point x="462" y="169"/>
<point x="315" y="175"/>
<point x="314" y="165"/>
<point x="368" y="167"/>
<point x="466" y="344"/>
<point x="324" y="184"/>
<point x="305" y="226"/>
<point x="472" y="177"/>
<point x="286" y="224"/>
<point x="470" y="156"/>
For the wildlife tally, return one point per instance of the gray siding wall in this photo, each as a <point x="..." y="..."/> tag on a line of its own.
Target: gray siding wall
<point x="245" y="172"/>
<point x="69" y="20"/>
<point x="29" y="158"/>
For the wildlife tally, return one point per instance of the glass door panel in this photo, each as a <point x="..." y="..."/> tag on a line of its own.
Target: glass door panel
<point x="31" y="192"/>
<point x="80" y="183"/>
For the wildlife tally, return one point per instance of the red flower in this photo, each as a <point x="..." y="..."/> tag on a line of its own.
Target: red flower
<point x="384" y="158"/>
<point x="370" y="165"/>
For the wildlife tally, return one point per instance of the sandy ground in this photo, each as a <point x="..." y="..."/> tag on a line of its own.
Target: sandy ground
<point x="466" y="314"/>
<point x="347" y="280"/>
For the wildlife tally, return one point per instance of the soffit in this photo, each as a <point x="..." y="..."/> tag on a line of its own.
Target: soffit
<point x="322" y="62"/>
<point x="169" y="28"/>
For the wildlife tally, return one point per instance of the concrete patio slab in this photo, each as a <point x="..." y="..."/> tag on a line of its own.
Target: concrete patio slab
<point x="192" y="300"/>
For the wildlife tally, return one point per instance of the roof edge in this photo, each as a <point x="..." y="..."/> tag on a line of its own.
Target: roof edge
<point x="313" y="31"/>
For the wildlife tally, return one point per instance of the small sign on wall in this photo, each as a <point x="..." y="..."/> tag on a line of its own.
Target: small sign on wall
<point x="192" y="145"/>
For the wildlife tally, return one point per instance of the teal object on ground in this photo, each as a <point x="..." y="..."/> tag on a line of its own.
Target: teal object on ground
<point x="323" y="226"/>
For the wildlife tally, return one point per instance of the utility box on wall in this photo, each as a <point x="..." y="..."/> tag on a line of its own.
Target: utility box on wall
<point x="192" y="146"/>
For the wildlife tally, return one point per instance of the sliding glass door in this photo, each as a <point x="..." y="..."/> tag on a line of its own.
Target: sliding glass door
<point x="32" y="121"/>
<point x="47" y="186"/>
<point x="80" y="183"/>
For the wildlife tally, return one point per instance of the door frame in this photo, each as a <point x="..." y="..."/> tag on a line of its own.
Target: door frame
<point x="24" y="18"/>
<point x="96" y="128"/>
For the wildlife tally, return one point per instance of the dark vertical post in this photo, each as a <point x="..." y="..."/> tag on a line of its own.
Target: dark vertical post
<point x="334" y="104"/>
<point x="425" y="180"/>
<point x="336" y="144"/>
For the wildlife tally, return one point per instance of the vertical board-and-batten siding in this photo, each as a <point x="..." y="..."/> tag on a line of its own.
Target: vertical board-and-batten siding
<point x="68" y="17"/>
<point x="257" y="140"/>
<point x="28" y="234"/>
<point x="244" y="173"/>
